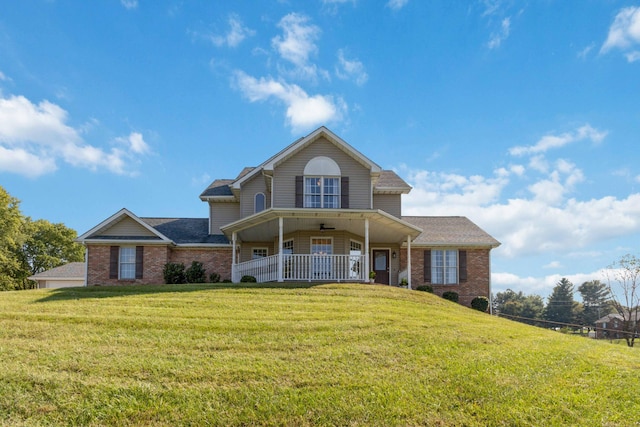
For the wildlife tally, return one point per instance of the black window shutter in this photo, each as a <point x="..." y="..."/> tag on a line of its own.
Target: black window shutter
<point x="427" y="266"/>
<point x="139" y="261"/>
<point x="114" y="253"/>
<point x="462" y="259"/>
<point x="344" y="192"/>
<point x="299" y="191"/>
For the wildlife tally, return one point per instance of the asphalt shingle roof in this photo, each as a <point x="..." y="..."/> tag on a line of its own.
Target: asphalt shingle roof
<point x="186" y="230"/>
<point x="449" y="230"/>
<point x="389" y="179"/>
<point x="219" y="187"/>
<point x="73" y="269"/>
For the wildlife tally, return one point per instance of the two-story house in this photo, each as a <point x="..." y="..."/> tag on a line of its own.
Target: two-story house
<point x="319" y="210"/>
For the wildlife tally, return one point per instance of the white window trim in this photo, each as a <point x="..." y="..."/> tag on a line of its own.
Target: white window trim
<point x="253" y="251"/>
<point x="121" y="264"/>
<point x="444" y="276"/>
<point x="323" y="238"/>
<point x="322" y="194"/>
<point x="284" y="242"/>
<point x="255" y="204"/>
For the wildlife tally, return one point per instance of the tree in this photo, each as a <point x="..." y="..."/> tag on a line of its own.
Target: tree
<point x="623" y="283"/>
<point x="11" y="239"/>
<point x="524" y="308"/>
<point x="28" y="247"/>
<point x="50" y="245"/>
<point x="595" y="301"/>
<point x="560" y="306"/>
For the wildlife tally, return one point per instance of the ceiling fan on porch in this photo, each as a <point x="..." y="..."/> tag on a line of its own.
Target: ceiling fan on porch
<point x="323" y="227"/>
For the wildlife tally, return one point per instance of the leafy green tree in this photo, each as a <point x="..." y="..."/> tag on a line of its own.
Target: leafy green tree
<point x="623" y="282"/>
<point x="50" y="245"/>
<point x="11" y="239"/>
<point x="524" y="308"/>
<point x="561" y="306"/>
<point x="596" y="301"/>
<point x="28" y="247"/>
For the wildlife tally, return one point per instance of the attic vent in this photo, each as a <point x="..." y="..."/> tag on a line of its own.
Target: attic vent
<point x="322" y="166"/>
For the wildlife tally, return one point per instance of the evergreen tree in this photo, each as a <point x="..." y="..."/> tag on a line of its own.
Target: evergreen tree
<point x="561" y="306"/>
<point x="595" y="301"/>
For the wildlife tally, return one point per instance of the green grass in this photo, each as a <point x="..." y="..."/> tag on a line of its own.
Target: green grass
<point x="296" y="355"/>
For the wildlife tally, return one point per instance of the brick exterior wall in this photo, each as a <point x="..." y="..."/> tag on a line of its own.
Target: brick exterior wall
<point x="213" y="260"/>
<point x="478" y="274"/>
<point x="155" y="257"/>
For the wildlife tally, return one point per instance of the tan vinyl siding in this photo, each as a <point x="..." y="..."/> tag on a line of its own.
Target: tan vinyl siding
<point x="285" y="175"/>
<point x="222" y="214"/>
<point x="247" y="196"/>
<point x="127" y="227"/>
<point x="390" y="203"/>
<point x="246" y="250"/>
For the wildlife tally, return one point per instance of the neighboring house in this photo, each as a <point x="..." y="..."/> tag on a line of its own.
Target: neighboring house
<point x="65" y="276"/>
<point x="611" y="326"/>
<point x="319" y="210"/>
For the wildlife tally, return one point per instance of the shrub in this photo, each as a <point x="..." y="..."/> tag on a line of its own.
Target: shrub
<point x="248" y="279"/>
<point x="214" y="278"/>
<point x="196" y="273"/>
<point x="480" y="303"/>
<point x="173" y="273"/>
<point x="450" y="295"/>
<point x="227" y="281"/>
<point x="425" y="288"/>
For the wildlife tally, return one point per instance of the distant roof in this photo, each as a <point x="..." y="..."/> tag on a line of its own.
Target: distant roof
<point x="449" y="231"/>
<point x="67" y="271"/>
<point x="186" y="230"/>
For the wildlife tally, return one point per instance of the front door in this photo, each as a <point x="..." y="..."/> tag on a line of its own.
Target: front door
<point x="381" y="265"/>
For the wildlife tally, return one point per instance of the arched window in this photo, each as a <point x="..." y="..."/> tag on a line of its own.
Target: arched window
<point x="322" y="183"/>
<point x="258" y="202"/>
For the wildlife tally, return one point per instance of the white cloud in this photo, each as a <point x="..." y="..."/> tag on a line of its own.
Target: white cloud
<point x="351" y="69"/>
<point x="236" y="34"/>
<point x="297" y="44"/>
<point x="129" y="4"/>
<point x="397" y="4"/>
<point x="33" y="137"/>
<point x="624" y="33"/>
<point x="302" y="110"/>
<point x="548" y="142"/>
<point x="584" y="52"/>
<point x="499" y="36"/>
<point x="545" y="220"/>
<point x="544" y="285"/>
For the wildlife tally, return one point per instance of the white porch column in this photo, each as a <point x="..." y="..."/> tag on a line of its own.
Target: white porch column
<point x="233" y="257"/>
<point x="366" y="249"/>
<point x="409" y="262"/>
<point x="280" y="232"/>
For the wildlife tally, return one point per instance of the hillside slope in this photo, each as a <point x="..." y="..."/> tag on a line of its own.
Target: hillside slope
<point x="296" y="355"/>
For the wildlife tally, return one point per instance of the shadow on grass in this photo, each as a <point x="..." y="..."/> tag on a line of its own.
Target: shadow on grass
<point x="120" y="291"/>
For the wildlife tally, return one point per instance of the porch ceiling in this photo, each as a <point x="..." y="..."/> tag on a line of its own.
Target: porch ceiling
<point x="263" y="226"/>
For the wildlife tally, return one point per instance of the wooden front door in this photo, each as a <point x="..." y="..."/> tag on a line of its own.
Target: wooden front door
<point x="381" y="265"/>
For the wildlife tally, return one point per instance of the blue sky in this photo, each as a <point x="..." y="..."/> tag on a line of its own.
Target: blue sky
<point x="522" y="115"/>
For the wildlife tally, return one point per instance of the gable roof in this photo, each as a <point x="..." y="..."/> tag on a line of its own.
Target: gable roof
<point x="301" y="143"/>
<point x="449" y="231"/>
<point x="72" y="270"/>
<point x="179" y="231"/>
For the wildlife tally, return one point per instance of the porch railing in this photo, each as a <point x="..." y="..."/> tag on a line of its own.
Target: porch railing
<point x="302" y="268"/>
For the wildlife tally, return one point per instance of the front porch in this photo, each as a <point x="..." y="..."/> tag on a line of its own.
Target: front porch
<point x="304" y="268"/>
<point x="322" y="245"/>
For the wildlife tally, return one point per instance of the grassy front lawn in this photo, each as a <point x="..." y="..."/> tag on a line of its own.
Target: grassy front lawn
<point x="296" y="355"/>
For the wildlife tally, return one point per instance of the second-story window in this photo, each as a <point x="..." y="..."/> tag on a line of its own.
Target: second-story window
<point x="258" y="202"/>
<point x="321" y="192"/>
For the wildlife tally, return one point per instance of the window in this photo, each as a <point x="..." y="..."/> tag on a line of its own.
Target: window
<point x="126" y="262"/>
<point x="355" y="258"/>
<point x="287" y="247"/>
<point x="321" y="192"/>
<point x="444" y="267"/>
<point x="259" y="253"/>
<point x="258" y="202"/>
